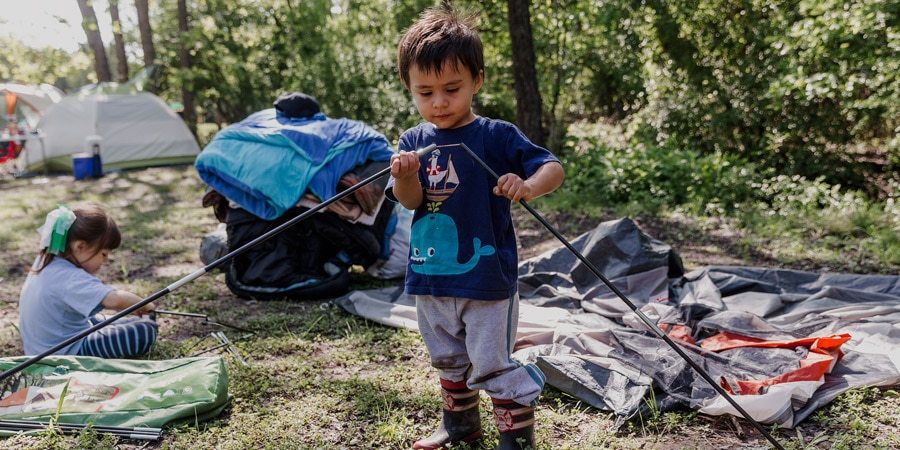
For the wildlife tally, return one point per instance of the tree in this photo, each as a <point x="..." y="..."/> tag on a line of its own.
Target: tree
<point x="143" y="13"/>
<point x="92" y="31"/>
<point x="528" y="97"/>
<point x="121" y="59"/>
<point x="26" y="64"/>
<point x="184" y="56"/>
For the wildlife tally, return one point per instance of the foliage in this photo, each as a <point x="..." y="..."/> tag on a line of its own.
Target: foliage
<point x="24" y="64"/>
<point x="804" y="87"/>
<point x="789" y="84"/>
<point x="247" y="53"/>
<point x="793" y="208"/>
<point x="605" y="167"/>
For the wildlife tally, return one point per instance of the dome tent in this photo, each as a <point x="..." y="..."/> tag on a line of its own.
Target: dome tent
<point x="134" y="131"/>
<point x="31" y="101"/>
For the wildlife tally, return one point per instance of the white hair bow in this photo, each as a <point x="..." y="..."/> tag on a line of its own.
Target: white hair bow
<point x="56" y="229"/>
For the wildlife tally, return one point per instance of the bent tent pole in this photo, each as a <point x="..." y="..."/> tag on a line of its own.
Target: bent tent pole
<point x="209" y="267"/>
<point x="656" y="330"/>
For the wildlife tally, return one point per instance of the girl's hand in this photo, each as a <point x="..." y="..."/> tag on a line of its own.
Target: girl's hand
<point x="146" y="309"/>
<point x="404" y="165"/>
<point x="512" y="187"/>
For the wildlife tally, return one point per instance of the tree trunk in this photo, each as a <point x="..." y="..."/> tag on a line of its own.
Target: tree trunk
<point x="184" y="55"/>
<point x="121" y="59"/>
<point x="528" y="97"/>
<point x="92" y="31"/>
<point x="143" y="13"/>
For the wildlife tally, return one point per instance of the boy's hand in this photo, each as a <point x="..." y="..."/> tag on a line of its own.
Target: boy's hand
<point x="404" y="165"/>
<point x="512" y="187"/>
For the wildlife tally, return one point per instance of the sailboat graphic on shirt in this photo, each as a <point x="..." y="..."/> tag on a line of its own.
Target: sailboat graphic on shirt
<point x="441" y="182"/>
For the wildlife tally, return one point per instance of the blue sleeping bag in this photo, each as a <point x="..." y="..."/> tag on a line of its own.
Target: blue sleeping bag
<point x="265" y="162"/>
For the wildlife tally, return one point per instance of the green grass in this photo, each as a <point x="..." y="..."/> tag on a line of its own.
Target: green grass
<point x="321" y="378"/>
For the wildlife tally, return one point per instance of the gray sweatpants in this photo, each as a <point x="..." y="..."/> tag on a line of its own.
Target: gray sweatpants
<point x="472" y="340"/>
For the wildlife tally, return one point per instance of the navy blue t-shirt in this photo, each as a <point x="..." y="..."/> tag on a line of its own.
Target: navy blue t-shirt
<point x="462" y="241"/>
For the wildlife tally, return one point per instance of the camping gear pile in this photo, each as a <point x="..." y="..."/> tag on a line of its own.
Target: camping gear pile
<point x="277" y="164"/>
<point x="783" y="342"/>
<point x="24" y="106"/>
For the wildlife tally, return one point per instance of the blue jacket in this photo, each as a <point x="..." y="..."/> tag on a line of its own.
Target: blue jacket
<point x="265" y="162"/>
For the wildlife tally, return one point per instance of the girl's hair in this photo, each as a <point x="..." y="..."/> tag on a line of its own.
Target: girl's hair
<point x="441" y="35"/>
<point x="91" y="225"/>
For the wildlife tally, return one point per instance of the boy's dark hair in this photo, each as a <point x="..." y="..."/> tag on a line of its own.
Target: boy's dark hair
<point x="440" y="35"/>
<point x="92" y="225"/>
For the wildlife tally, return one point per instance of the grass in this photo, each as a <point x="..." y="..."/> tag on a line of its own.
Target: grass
<point x="321" y="378"/>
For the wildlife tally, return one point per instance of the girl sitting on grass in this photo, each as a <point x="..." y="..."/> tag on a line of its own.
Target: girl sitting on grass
<point x="62" y="296"/>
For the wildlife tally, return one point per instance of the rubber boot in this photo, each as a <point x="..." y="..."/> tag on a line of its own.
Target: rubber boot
<point x="461" y="421"/>
<point x="515" y="423"/>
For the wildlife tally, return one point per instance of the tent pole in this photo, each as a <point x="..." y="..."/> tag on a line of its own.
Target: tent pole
<point x="43" y="154"/>
<point x="14" y="426"/>
<point x="209" y="267"/>
<point x="653" y="327"/>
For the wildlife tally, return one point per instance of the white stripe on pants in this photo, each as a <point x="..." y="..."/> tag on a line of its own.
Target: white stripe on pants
<point x="125" y="338"/>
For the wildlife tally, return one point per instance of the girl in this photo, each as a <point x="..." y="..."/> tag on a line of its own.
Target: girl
<point x="62" y="297"/>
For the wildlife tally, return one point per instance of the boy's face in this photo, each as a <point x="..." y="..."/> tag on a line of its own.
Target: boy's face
<point x="445" y="100"/>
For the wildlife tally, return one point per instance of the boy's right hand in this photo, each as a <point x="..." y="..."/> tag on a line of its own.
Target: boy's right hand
<point x="405" y="165"/>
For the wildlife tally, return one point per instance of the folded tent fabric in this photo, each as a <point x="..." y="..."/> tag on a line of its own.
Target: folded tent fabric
<point x="786" y="341"/>
<point x="824" y="352"/>
<point x="267" y="161"/>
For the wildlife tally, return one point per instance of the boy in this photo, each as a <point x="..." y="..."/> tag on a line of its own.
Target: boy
<point x="463" y="260"/>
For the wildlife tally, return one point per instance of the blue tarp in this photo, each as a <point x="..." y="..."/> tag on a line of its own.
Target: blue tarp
<point x="265" y="162"/>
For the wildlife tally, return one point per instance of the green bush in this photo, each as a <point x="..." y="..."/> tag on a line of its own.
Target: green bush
<point x="603" y="167"/>
<point x="812" y="209"/>
<point x="790" y="85"/>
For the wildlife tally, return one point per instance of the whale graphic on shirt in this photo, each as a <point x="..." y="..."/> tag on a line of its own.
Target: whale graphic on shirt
<point x="434" y="247"/>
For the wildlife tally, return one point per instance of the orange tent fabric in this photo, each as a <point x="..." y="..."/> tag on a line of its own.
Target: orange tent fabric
<point x="824" y="352"/>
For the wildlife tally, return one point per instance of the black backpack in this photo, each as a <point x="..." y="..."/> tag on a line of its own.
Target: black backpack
<point x="309" y="260"/>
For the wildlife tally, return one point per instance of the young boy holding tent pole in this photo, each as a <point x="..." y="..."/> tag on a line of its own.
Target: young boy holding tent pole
<point x="463" y="259"/>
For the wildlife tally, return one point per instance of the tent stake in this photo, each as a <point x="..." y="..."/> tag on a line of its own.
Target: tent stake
<point x="209" y="267"/>
<point x="656" y="330"/>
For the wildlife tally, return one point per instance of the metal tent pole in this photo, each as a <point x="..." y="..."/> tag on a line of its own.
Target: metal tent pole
<point x="209" y="267"/>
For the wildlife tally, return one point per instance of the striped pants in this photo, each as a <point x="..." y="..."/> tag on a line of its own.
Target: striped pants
<point x="125" y="338"/>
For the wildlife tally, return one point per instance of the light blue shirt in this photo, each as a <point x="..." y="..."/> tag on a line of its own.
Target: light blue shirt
<point x="56" y="303"/>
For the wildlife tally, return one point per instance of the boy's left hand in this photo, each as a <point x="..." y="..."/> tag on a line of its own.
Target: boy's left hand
<point x="512" y="187"/>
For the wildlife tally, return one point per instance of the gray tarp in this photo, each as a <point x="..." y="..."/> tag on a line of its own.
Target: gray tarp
<point x="589" y="344"/>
